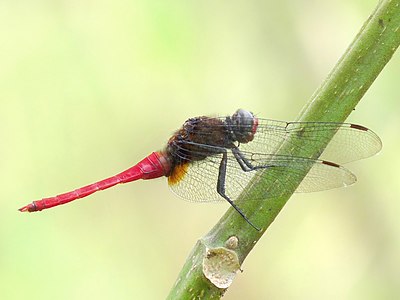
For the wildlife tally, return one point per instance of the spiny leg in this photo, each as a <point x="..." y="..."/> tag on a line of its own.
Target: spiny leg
<point x="244" y="163"/>
<point x="221" y="188"/>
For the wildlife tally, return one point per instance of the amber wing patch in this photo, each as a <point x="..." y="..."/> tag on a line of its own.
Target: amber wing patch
<point x="178" y="173"/>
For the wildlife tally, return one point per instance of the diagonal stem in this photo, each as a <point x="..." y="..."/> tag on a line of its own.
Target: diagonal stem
<point x="334" y="100"/>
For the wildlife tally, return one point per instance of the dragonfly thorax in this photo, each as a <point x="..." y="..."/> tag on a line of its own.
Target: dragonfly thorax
<point x="198" y="138"/>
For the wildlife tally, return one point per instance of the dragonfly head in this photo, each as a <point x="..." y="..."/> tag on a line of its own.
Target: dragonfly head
<point x="244" y="125"/>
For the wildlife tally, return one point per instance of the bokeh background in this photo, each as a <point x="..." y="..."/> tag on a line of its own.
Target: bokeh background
<point x="88" y="88"/>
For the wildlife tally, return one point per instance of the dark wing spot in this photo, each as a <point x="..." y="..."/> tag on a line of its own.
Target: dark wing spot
<point x="329" y="163"/>
<point x="359" y="127"/>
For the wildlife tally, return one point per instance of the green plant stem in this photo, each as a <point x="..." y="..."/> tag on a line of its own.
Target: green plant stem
<point x="335" y="99"/>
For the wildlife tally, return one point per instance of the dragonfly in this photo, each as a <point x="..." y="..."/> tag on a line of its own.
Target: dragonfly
<point x="216" y="158"/>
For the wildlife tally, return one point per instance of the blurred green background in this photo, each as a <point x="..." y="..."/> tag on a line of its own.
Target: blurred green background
<point x="88" y="88"/>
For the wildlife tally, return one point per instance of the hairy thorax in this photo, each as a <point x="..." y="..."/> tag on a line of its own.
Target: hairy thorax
<point x="198" y="138"/>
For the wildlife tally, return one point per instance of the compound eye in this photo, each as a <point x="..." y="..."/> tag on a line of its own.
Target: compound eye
<point x="244" y="125"/>
<point x="244" y="114"/>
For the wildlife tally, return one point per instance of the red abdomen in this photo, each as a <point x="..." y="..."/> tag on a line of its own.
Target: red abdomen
<point x="153" y="166"/>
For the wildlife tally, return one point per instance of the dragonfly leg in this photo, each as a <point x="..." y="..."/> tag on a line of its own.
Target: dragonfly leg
<point x="221" y="188"/>
<point x="244" y="163"/>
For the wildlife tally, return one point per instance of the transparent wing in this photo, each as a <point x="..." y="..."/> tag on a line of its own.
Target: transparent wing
<point x="197" y="180"/>
<point x="350" y="141"/>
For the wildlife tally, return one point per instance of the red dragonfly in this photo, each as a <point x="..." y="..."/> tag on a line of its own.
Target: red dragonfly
<point x="215" y="158"/>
